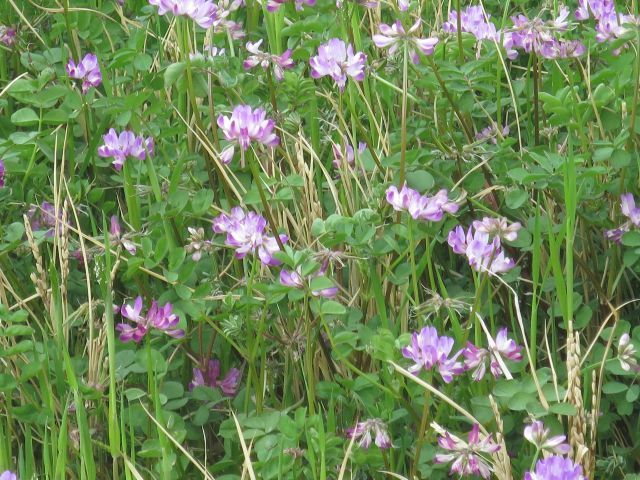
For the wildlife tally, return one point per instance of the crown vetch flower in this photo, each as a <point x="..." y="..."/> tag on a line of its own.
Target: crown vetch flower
<point x="629" y="210"/>
<point x="123" y="145"/>
<point x="246" y="125"/>
<point x="473" y="20"/>
<point x="476" y="358"/>
<point x="294" y="278"/>
<point x="467" y="457"/>
<point x="274" y="5"/>
<point x="160" y="318"/>
<point x="209" y="377"/>
<point x="258" y="57"/>
<point x="43" y="217"/>
<point x="204" y="12"/>
<point x="428" y="350"/>
<point x="118" y="238"/>
<point x="627" y="354"/>
<point x="87" y="70"/>
<point x="556" y="467"/>
<point x="336" y="59"/>
<point x="245" y="233"/>
<point x="421" y="207"/>
<point x="1" y="173"/>
<point x="346" y="152"/>
<point x="7" y="35"/>
<point x="364" y="431"/>
<point x="392" y="37"/>
<point x="482" y="253"/>
<point x="8" y="475"/>
<point x="537" y="434"/>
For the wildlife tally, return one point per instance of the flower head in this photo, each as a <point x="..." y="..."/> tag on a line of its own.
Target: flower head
<point x="473" y="20"/>
<point x="482" y="253"/>
<point x="368" y="430"/>
<point x="393" y="37"/>
<point x="627" y="354"/>
<point x="336" y="59"/>
<point x="629" y="210"/>
<point x="556" y="467"/>
<point x="157" y="317"/>
<point x="209" y="377"/>
<point x="428" y="350"/>
<point x="295" y="279"/>
<point x="1" y="173"/>
<point x="7" y="35"/>
<point x="476" y="358"/>
<point x="43" y="217"/>
<point x="274" y="5"/>
<point x="345" y="153"/>
<point x="8" y="475"/>
<point x="123" y="145"/>
<point x="246" y="125"/>
<point x="421" y="207"/>
<point x="197" y="244"/>
<point x="118" y="238"/>
<point x="537" y="434"/>
<point x="87" y="70"/>
<point x="467" y="457"/>
<point x="204" y="12"/>
<point x="265" y="60"/>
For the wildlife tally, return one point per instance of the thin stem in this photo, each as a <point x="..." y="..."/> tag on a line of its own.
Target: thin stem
<point x="403" y="126"/>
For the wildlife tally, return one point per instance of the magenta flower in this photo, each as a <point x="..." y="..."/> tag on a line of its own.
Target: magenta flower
<point x="337" y="60"/>
<point x="245" y="233"/>
<point x="629" y="210"/>
<point x="265" y="60"/>
<point x="491" y="132"/>
<point x="7" y="36"/>
<point x="1" y="173"/>
<point x="118" y="239"/>
<point x="537" y="434"/>
<point x="8" y="475"/>
<point x="43" y="217"/>
<point x="556" y="468"/>
<point x="363" y="432"/>
<point x="428" y="350"/>
<point x="159" y="318"/>
<point x="421" y="207"/>
<point x="295" y="279"/>
<point x="274" y="5"/>
<point x="481" y="253"/>
<point x="245" y="126"/>
<point x="209" y="378"/>
<point x="127" y="144"/>
<point x="598" y="8"/>
<point x="87" y="70"/>
<point x="473" y="20"/>
<point x="394" y="36"/>
<point x="204" y="12"/>
<point x="467" y="457"/>
<point x="346" y="152"/>
<point x="476" y="358"/>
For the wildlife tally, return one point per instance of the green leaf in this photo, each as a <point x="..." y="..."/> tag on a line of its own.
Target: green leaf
<point x="611" y="388"/>
<point x="142" y="62"/>
<point x="25" y="117"/>
<point x="631" y="239"/>
<point x="331" y="307"/>
<point x="563" y="409"/>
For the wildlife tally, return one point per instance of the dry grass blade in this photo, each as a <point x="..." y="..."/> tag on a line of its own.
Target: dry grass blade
<point x="245" y="450"/>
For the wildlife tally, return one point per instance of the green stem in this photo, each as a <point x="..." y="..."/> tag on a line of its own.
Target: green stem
<point x="403" y="125"/>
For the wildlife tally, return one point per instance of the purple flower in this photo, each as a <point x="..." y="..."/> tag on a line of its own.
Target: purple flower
<point x="481" y="253"/>
<point x="87" y="70"/>
<point x="1" y="173"/>
<point x="209" y="378"/>
<point x="428" y="350"/>
<point x="274" y="5"/>
<point x="8" y="475"/>
<point x="118" y="238"/>
<point x="245" y="233"/>
<point x="476" y="358"/>
<point x="346" y="152"/>
<point x="627" y="354"/>
<point x="295" y="279"/>
<point x="258" y="57"/>
<point x="556" y="468"/>
<point x="337" y="60"/>
<point x="43" y="217"/>
<point x="363" y="431"/>
<point x="598" y="8"/>
<point x="392" y="37"/>
<point x="467" y="457"/>
<point x="473" y="20"/>
<point x="208" y="51"/>
<point x="127" y="144"/>
<point x="537" y="434"/>
<point x="245" y="126"/>
<point x="160" y="318"/>
<point x="204" y="12"/>
<point x="7" y="35"/>
<point x="629" y="210"/>
<point x="491" y="132"/>
<point x="498" y="227"/>
<point x="421" y="207"/>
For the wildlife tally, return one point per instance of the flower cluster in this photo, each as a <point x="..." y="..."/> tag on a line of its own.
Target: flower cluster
<point x="556" y="467"/>
<point x="7" y="35"/>
<point x="1" y="173"/>
<point x="208" y="377"/>
<point x="43" y="217"/>
<point x="629" y="210"/>
<point x="368" y="430"/>
<point x="159" y="318"/>
<point x="482" y="252"/>
<point x="537" y="434"/>
<point x="124" y="145"/>
<point x="473" y="20"/>
<point x="428" y="350"/>
<point x="476" y="358"/>
<point x="226" y="8"/>
<point x="421" y="207"/>
<point x="346" y="152"/>
<point x="279" y="62"/>
<point x="274" y="5"/>
<point x="394" y="36"/>
<point x="204" y="12"/>
<point x="197" y="243"/>
<point x="87" y="70"/>
<point x="118" y="238"/>
<point x="245" y="126"/>
<point x="609" y="23"/>
<point x="245" y="233"/>
<point x="627" y="354"/>
<point x="491" y="132"/>
<point x="295" y="279"/>
<point x="336" y="59"/>
<point x="8" y="475"/>
<point x="467" y="457"/>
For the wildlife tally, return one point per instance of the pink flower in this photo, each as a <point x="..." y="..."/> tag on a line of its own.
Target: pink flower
<point x="481" y="253"/>
<point x="295" y="279"/>
<point x="1" y="173"/>
<point x="8" y="475"/>
<point x="539" y="436"/>
<point x="467" y="457"/>
<point x="87" y="70"/>
<point x="476" y="358"/>
<point x="364" y="430"/>
<point x="209" y="377"/>
<point x="7" y="35"/>
<point x="346" y="152"/>
<point x="428" y="350"/>
<point x="337" y="60"/>
<point x="258" y="57"/>
<point x="421" y="207"/>
<point x="245" y="126"/>
<point x="124" y="145"/>
<point x="160" y="318"/>
<point x="204" y="12"/>
<point x="474" y="21"/>
<point x="392" y="37"/>
<point x="274" y="5"/>
<point x="629" y="210"/>
<point x="118" y="238"/>
<point x="556" y="468"/>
